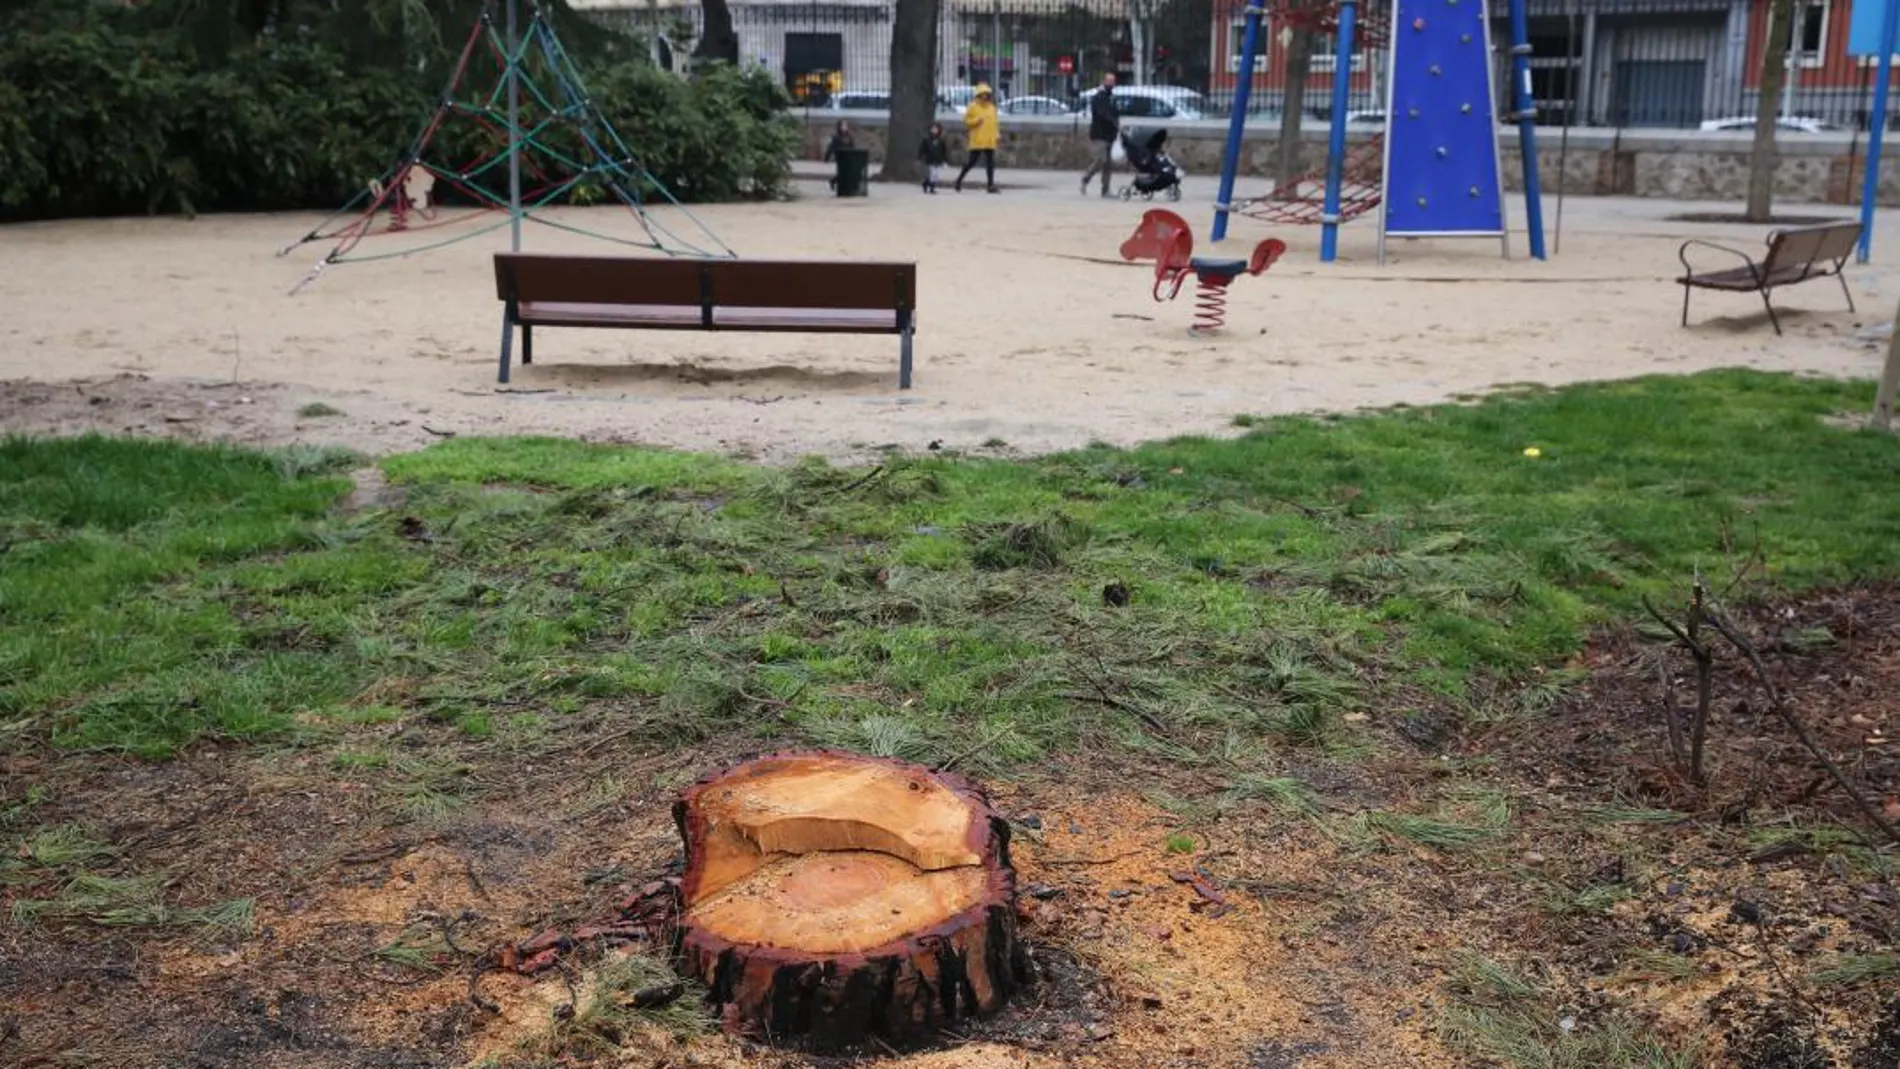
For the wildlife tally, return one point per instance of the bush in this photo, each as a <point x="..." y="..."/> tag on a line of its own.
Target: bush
<point x="101" y="116"/>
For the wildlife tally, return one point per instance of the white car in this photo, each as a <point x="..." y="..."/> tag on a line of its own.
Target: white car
<point x="1795" y="124"/>
<point x="1035" y="106"/>
<point x="1154" y="102"/>
<point x="876" y="101"/>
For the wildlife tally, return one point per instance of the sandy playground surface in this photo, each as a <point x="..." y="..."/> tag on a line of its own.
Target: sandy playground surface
<point x="1033" y="336"/>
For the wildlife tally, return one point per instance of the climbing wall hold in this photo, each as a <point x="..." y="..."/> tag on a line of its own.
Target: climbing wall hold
<point x="1464" y="38"/>
<point x="1411" y="113"/>
<point x="1474" y="191"/>
<point x="1418" y="24"/>
<point x="1437" y="70"/>
<point x="1421" y="202"/>
<point x="1443" y="152"/>
<point x="1464" y="109"/>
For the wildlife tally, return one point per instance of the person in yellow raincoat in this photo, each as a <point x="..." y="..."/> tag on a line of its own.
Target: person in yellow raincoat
<point x="980" y="120"/>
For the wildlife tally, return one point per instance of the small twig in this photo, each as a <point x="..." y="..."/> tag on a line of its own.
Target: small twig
<point x="438" y="434"/>
<point x="1104" y="698"/>
<point x="876" y="470"/>
<point x="1059" y="861"/>
<point x="1775" y="701"/>
<point x="475" y="881"/>
<point x="480" y="966"/>
<point x="982" y="744"/>
<point x="1774" y="962"/>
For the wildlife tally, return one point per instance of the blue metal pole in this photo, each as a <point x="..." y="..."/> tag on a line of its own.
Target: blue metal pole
<point x="1336" y="144"/>
<point x="1527" y="123"/>
<point x="1870" y="182"/>
<point x="1237" y="125"/>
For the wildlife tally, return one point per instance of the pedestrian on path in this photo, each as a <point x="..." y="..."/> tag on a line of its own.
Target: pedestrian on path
<point x="1105" y="125"/>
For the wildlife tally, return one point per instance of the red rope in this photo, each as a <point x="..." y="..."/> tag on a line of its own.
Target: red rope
<point x="356" y="231"/>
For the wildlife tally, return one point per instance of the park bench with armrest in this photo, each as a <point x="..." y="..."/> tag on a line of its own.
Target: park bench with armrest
<point x="636" y="293"/>
<point x="1795" y="255"/>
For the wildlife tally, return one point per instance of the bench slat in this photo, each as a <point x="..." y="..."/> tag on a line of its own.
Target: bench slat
<point x="586" y="314"/>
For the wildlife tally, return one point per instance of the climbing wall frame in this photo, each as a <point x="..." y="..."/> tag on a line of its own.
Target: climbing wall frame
<point x="1443" y="176"/>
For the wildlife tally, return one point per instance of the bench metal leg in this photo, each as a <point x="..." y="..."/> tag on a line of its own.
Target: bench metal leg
<point x="1685" y="305"/>
<point x="507" y="344"/>
<point x="904" y="358"/>
<point x="527" y="344"/>
<point x="1770" y="305"/>
<point x="1845" y="292"/>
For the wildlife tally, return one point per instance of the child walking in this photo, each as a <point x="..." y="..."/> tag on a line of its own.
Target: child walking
<point x="934" y="153"/>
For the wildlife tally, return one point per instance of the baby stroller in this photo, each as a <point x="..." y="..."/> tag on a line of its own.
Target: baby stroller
<point x="1154" y="171"/>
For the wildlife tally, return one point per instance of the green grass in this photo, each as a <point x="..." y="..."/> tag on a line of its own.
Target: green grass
<point x="155" y="594"/>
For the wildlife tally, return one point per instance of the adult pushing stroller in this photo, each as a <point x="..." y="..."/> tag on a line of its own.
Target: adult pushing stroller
<point x="1154" y="171"/>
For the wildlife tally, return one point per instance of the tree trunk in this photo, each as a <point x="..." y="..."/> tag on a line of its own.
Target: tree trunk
<point x="718" y="41"/>
<point x="1882" y="418"/>
<point x="831" y="899"/>
<point x="913" y="86"/>
<point x="1287" y="167"/>
<point x="1774" y="71"/>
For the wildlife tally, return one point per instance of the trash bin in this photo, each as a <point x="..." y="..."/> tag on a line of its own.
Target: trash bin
<point x="854" y="169"/>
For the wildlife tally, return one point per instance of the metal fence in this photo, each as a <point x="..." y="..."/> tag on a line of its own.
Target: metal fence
<point x="1638" y="64"/>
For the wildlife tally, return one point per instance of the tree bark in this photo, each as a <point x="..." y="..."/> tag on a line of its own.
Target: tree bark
<point x="913" y="86"/>
<point x="1882" y="417"/>
<point x="718" y="41"/>
<point x="1287" y="164"/>
<point x="1763" y="158"/>
<point x="833" y="899"/>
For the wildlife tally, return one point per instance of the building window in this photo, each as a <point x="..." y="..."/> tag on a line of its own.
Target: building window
<point x="1810" y="31"/>
<point x="1237" y="41"/>
<point x="1326" y="53"/>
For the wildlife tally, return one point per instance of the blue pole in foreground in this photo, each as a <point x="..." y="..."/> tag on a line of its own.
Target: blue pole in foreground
<point x="1336" y="145"/>
<point x="1870" y="182"/>
<point x="1237" y="125"/>
<point x="1527" y="123"/>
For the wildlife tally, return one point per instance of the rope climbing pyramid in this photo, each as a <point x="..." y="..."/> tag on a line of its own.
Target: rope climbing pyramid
<point x="1443" y="177"/>
<point x="486" y="161"/>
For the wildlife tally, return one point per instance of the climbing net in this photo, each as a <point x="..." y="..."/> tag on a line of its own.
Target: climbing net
<point x="456" y="171"/>
<point x="1303" y="201"/>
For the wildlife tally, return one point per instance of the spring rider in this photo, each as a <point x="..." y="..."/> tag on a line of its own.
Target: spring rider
<point x="1165" y="238"/>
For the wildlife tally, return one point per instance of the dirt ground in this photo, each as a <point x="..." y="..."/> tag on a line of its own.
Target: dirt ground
<point x="1275" y="942"/>
<point x="1032" y="331"/>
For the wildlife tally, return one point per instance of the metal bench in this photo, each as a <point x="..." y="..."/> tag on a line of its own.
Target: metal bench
<point x="627" y="293"/>
<point x="1794" y="256"/>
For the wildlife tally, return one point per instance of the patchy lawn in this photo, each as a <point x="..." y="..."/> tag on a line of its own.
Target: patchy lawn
<point x="279" y="766"/>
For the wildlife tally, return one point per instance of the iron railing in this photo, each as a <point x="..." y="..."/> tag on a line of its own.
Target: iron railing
<point x="1627" y="64"/>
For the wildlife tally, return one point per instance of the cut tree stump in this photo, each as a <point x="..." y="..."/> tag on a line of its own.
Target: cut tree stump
<point x="830" y="898"/>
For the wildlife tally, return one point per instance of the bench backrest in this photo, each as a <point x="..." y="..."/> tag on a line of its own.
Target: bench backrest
<point x="707" y="283"/>
<point x="1805" y="246"/>
<point x="524" y="276"/>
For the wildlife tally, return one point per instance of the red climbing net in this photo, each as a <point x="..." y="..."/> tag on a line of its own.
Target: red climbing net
<point x="1303" y="201"/>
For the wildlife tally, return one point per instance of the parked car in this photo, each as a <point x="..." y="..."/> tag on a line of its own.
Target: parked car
<point x="1154" y="102"/>
<point x="1795" y="124"/>
<point x="954" y="98"/>
<point x="877" y="101"/>
<point x="1035" y="106"/>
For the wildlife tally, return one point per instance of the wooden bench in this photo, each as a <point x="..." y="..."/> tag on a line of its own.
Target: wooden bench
<point x="1794" y="256"/>
<point x="629" y="293"/>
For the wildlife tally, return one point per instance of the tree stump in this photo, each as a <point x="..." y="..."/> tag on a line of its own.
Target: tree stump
<point x="831" y="897"/>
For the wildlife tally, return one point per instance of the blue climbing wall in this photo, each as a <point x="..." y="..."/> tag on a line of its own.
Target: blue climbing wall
<point x="1441" y="167"/>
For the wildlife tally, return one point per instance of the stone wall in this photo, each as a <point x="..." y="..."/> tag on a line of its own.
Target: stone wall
<point x="1686" y="165"/>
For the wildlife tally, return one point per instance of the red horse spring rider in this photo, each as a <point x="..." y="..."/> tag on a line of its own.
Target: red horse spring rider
<point x="1165" y="238"/>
